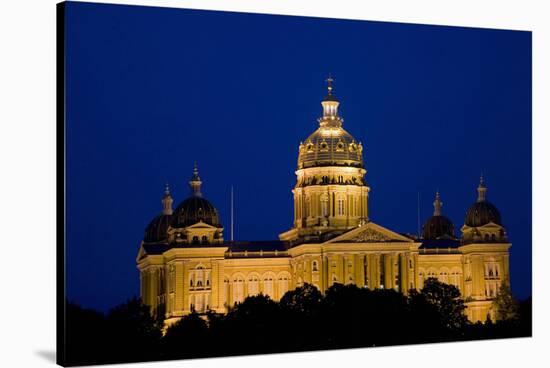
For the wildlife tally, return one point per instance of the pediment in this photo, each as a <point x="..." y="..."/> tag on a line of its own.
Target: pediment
<point x="370" y="233"/>
<point x="141" y="253"/>
<point x="199" y="225"/>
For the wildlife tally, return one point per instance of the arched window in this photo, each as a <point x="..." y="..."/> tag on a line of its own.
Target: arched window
<point x="314" y="266"/>
<point x="269" y="287"/>
<point x="283" y="284"/>
<point x="324" y="205"/>
<point x="195" y="240"/>
<point x="199" y="283"/>
<point x="493" y="237"/>
<point x="191" y="282"/>
<point x="340" y="206"/>
<point x="204" y="239"/>
<point x="238" y="289"/>
<point x="253" y="285"/>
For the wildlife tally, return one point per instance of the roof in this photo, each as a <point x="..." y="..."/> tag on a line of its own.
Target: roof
<point x="156" y="231"/>
<point x="160" y="248"/>
<point x="438" y="226"/>
<point x="233" y="247"/>
<point x="256" y="246"/>
<point x="481" y="213"/>
<point x="193" y="210"/>
<point x="441" y="243"/>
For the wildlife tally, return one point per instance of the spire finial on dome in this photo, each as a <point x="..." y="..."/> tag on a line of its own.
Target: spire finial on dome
<point x="437" y="204"/>
<point x="330" y="105"/>
<point x="481" y="190"/>
<point x="329" y="81"/>
<point x="167" y="201"/>
<point x="195" y="182"/>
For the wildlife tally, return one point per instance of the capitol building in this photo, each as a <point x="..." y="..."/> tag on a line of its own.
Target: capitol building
<point x="186" y="265"/>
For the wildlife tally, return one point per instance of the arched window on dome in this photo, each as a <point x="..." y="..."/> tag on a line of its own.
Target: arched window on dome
<point x="341" y="202"/>
<point x="324" y="205"/>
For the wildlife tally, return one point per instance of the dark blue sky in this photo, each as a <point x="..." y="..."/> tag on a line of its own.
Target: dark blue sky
<point x="151" y="90"/>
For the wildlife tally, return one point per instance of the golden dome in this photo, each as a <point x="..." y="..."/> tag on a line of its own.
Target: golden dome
<point x="330" y="144"/>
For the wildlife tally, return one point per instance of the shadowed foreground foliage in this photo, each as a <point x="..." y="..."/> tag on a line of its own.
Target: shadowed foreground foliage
<point x="304" y="319"/>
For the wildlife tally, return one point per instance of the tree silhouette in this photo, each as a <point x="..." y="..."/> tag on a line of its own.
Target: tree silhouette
<point x="505" y="306"/>
<point x="446" y="300"/>
<point x="345" y="316"/>
<point x="187" y="338"/>
<point x="133" y="334"/>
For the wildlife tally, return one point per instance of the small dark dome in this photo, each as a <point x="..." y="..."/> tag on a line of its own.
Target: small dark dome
<point x="438" y="227"/>
<point x="156" y="231"/>
<point x="481" y="213"/>
<point x="193" y="210"/>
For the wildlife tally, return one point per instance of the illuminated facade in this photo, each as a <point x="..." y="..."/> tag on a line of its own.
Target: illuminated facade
<point x="186" y="265"/>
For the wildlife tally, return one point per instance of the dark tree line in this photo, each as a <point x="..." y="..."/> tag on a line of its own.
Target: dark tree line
<point x="304" y="319"/>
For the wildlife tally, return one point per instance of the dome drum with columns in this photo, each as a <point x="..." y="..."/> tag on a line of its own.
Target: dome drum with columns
<point x="330" y="195"/>
<point x="185" y="265"/>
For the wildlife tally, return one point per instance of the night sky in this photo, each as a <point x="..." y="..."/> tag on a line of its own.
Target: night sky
<point x="151" y="90"/>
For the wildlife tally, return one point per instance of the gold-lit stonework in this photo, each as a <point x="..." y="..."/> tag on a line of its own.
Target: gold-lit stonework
<point x="186" y="265"/>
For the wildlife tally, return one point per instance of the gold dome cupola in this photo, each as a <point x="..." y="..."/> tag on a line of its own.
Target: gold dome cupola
<point x="330" y="144"/>
<point x="330" y="195"/>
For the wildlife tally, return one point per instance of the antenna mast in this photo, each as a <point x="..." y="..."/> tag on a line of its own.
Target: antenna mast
<point x="232" y="213"/>
<point x="418" y="215"/>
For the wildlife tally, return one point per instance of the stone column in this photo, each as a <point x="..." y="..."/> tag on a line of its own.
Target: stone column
<point x="377" y="271"/>
<point x="359" y="270"/>
<point x="185" y="287"/>
<point x="216" y="283"/>
<point x="404" y="272"/>
<point x="178" y="288"/>
<point x="478" y="277"/>
<point x="505" y="269"/>
<point x="388" y="273"/>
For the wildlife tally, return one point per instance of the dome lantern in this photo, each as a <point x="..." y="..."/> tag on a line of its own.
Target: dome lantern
<point x="167" y="201"/>
<point x="195" y="182"/>
<point x="437" y="204"/>
<point x="482" y="211"/>
<point x="195" y="208"/>
<point x="438" y="226"/>
<point x="330" y="106"/>
<point x="157" y="229"/>
<point x="481" y="190"/>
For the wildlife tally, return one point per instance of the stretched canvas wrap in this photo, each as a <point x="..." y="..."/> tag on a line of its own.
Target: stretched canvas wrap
<point x="236" y="183"/>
